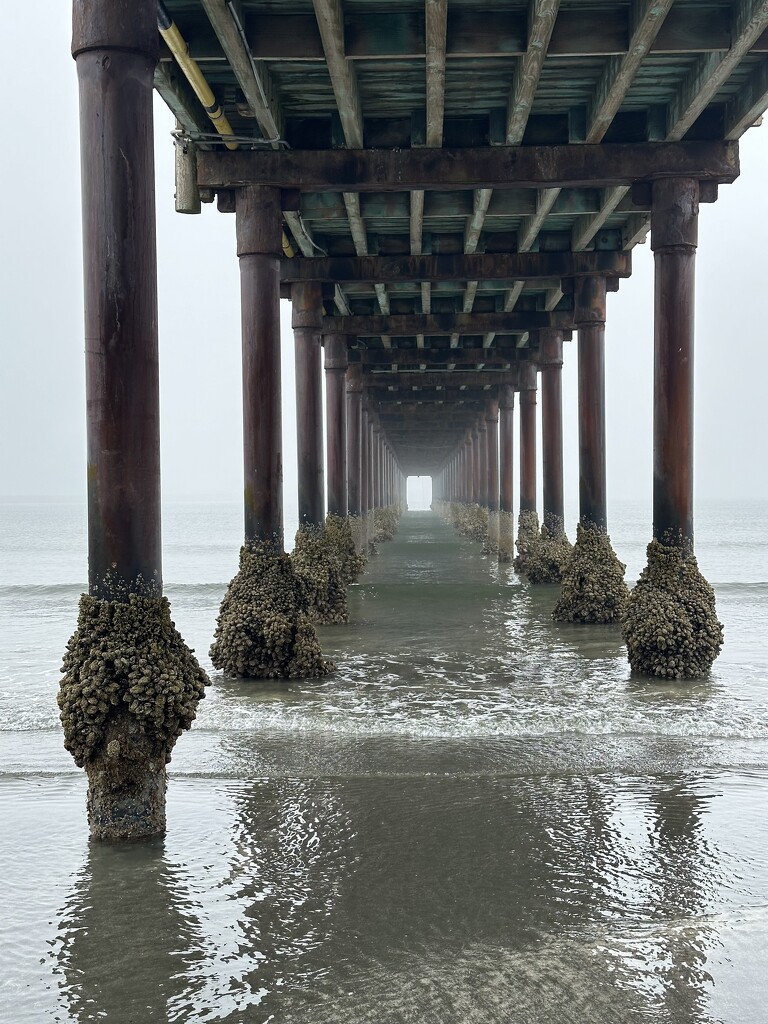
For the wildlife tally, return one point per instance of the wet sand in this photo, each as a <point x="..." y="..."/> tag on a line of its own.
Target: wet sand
<point x="481" y="817"/>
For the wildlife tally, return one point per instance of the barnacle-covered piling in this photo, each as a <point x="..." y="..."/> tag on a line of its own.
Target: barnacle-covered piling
<point x="547" y="557"/>
<point x="470" y="520"/>
<point x="593" y="581"/>
<point x="670" y="625"/>
<point x="386" y="522"/>
<point x="131" y="686"/>
<point x="318" y="564"/>
<point x="342" y="534"/>
<point x="506" y="536"/>
<point x="264" y="630"/>
<point x="527" y="538"/>
<point x="491" y="539"/>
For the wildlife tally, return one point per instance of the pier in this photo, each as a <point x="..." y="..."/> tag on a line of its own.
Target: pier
<point x="448" y="197"/>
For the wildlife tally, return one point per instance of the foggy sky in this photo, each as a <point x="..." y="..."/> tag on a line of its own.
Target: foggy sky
<point x="42" y="405"/>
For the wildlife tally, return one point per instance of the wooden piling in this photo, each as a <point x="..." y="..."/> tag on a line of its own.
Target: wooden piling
<point x="492" y="436"/>
<point x="506" y="447"/>
<point x="307" y="312"/>
<point x="354" y="384"/>
<point x="551" y="363"/>
<point x="589" y="316"/>
<point x="336" y="422"/>
<point x="674" y="237"/>
<point x="259" y="235"/>
<point x="528" y="442"/>
<point x="115" y="48"/>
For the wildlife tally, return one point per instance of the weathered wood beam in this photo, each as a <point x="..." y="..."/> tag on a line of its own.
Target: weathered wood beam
<point x="750" y="20"/>
<point x="570" y="166"/>
<point x="542" y="14"/>
<point x="330" y="22"/>
<point x="542" y="17"/>
<point x="647" y="17"/>
<point x="447" y="379"/>
<point x="519" y="266"/>
<point x="252" y="79"/>
<point x="436" y="12"/>
<point x="179" y="96"/>
<point x="502" y="33"/>
<point x="406" y="325"/>
<point x="746" y="108"/>
<point x="430" y="357"/>
<point x="583" y="234"/>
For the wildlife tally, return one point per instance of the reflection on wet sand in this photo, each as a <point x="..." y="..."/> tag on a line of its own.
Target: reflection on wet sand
<point x="128" y="941"/>
<point x="479" y="819"/>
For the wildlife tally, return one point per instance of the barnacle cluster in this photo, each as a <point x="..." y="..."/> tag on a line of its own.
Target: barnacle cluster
<point x="670" y="625"/>
<point x="340" y="540"/>
<point x="527" y="539"/>
<point x="127" y="656"/>
<point x="491" y="539"/>
<point x="593" y="580"/>
<point x="506" y="536"/>
<point x="385" y="523"/>
<point x="547" y="556"/>
<point x="319" y="567"/>
<point x="358" y="527"/>
<point x="470" y="520"/>
<point x="264" y="630"/>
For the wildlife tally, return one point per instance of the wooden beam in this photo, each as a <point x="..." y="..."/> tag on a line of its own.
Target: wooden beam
<point x="571" y="166"/>
<point x="330" y="22"/>
<point x="497" y="33"/>
<point x="648" y="17"/>
<point x="519" y="266"/>
<point x="407" y="325"/>
<point x="542" y="16"/>
<point x="752" y="101"/>
<point x="750" y="20"/>
<point x="436" y="21"/>
<point x="179" y="96"/>
<point x="446" y="379"/>
<point x="252" y="79"/>
<point x="429" y="357"/>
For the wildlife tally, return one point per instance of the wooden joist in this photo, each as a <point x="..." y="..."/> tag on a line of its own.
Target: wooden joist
<point x="400" y="34"/>
<point x="571" y="166"/>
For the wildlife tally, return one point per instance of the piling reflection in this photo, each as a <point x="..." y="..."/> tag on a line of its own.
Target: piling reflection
<point x="129" y="941"/>
<point x="292" y="846"/>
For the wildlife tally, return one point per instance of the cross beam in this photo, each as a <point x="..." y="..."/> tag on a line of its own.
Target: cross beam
<point x="377" y="170"/>
<point x="520" y="266"/>
<point x="408" y="325"/>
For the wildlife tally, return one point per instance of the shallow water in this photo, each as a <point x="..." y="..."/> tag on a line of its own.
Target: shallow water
<point x="479" y="817"/>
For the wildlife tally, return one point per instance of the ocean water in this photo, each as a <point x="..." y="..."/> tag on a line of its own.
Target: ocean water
<point x="480" y="817"/>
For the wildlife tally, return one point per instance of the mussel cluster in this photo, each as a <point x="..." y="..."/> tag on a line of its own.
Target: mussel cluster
<point x="126" y="661"/>
<point x="670" y="626"/>
<point x="319" y="567"/>
<point x="593" y="587"/>
<point x="264" y="630"/>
